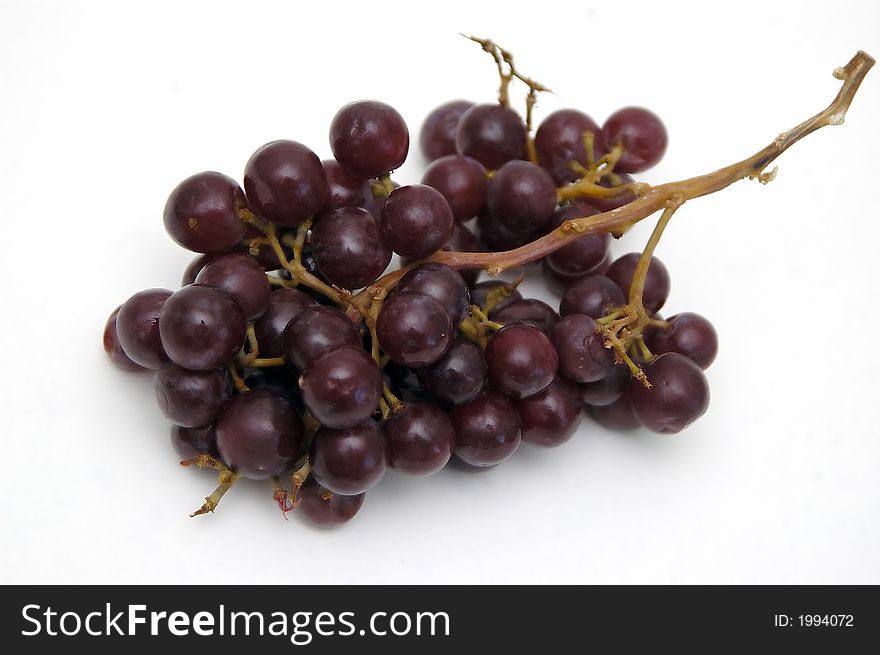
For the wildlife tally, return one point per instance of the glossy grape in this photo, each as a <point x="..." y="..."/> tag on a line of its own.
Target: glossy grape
<point x="201" y="327"/>
<point x="529" y="311"/>
<point x="495" y="236"/>
<point x="618" y="415"/>
<point x="413" y="329"/>
<point x="521" y="361"/>
<point x="560" y="140"/>
<point x="583" y="356"/>
<point x="594" y="295"/>
<point x="585" y="253"/>
<point x="690" y="334"/>
<point x="437" y="137"/>
<point x="657" y="281"/>
<point x="280" y="379"/>
<point x="492" y="134"/>
<point x="242" y="278"/>
<point x="341" y="387"/>
<point x="191" y="398"/>
<point x="420" y="438"/>
<point x="607" y="389"/>
<point x="559" y="283"/>
<point x="369" y="138"/>
<point x="458" y="376"/>
<point x="462" y="181"/>
<point x="190" y="442"/>
<point x="325" y="508"/>
<point x="416" y="221"/>
<point x="487" y="429"/>
<point x="679" y="394"/>
<point x="351" y="460"/>
<point x="137" y="327"/>
<point x="285" y="182"/>
<point x="345" y="189"/>
<point x="113" y="348"/>
<point x="315" y="330"/>
<point x="284" y="305"/>
<point x="522" y="196"/>
<point x="441" y="283"/>
<point x="551" y="417"/>
<point x="202" y="212"/>
<point x="348" y="248"/>
<point x="642" y="134"/>
<point x="196" y="265"/>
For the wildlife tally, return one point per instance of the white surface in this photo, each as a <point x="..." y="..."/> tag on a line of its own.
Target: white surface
<point x="103" y="109"/>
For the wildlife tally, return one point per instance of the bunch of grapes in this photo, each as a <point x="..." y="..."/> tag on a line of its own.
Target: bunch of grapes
<point x="290" y="354"/>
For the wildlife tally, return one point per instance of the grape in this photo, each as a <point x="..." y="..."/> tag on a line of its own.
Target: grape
<point x="259" y="434"/>
<point x="413" y="329"/>
<point x="285" y="182"/>
<point x="315" y="330"/>
<point x="481" y="290"/>
<point x="201" y="327"/>
<point x="679" y="394"/>
<point x="607" y="204"/>
<point x="583" y="356"/>
<point x="642" y="134"/>
<point x="618" y="415"/>
<point x="190" y="442"/>
<point x="531" y="312"/>
<point x="594" y="295"/>
<point x="369" y="138"/>
<point x="495" y="236"/>
<point x="441" y="283"/>
<point x="462" y="240"/>
<point x="458" y="376"/>
<point x="196" y="265"/>
<point x="487" y="429"/>
<point x="607" y="389"/>
<point x="351" y="460"/>
<point x="416" y="221"/>
<point x="437" y="137"/>
<point x="690" y="334"/>
<point x="341" y="387"/>
<point x="279" y="379"/>
<point x="492" y="134"/>
<point x="582" y="255"/>
<point x="348" y="247"/>
<point x="137" y="327"/>
<point x="657" y="282"/>
<point x="242" y="278"/>
<point x="559" y="283"/>
<point x="521" y="361"/>
<point x="113" y="348"/>
<point x="560" y="140"/>
<point x="202" y="212"/>
<point x="551" y="417"/>
<point x="191" y="398"/>
<point x="325" y="508"/>
<point x="404" y="382"/>
<point x="462" y="181"/>
<point x="522" y="196"/>
<point x="420" y="438"/>
<point x="346" y="190"/>
<point x="284" y="305"/>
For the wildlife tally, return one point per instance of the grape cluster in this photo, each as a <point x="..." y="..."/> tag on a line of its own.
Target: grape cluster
<point x="271" y="367"/>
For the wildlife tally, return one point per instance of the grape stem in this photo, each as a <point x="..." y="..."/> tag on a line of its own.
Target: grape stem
<point x="652" y="199"/>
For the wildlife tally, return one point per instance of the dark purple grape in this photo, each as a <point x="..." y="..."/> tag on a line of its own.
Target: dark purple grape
<point x="492" y="134"/>
<point x="437" y="137"/>
<point x="462" y="181"/>
<point x="481" y="291"/>
<point x="495" y="236"/>
<point x="202" y="212"/>
<point x="351" y="460"/>
<point x="690" y="334"/>
<point x="521" y="361"/>
<point x="341" y="387"/>
<point x="487" y="429"/>
<point x="551" y="417"/>
<point x="196" y="265"/>
<point x="404" y="382"/>
<point x="583" y="356"/>
<point x="616" y="416"/>
<point x="463" y="240"/>
<point x="284" y="306"/>
<point x="594" y="295"/>
<point x="583" y="254"/>
<point x="242" y="278"/>
<point x="325" y="508"/>
<point x="369" y="138"/>
<point x="420" y="438"/>
<point x="191" y="398"/>
<point x="560" y="283"/>
<point x="657" y="281"/>
<point x="137" y="327"/>
<point x="113" y="348"/>
<point x="279" y="379"/>
<point x="416" y="221"/>
<point x="678" y="396"/>
<point x="642" y="135"/>
<point x="346" y="190"/>
<point x="285" y="182"/>
<point x="315" y="330"/>
<point x="190" y="442"/>
<point x="458" y="376"/>
<point x="530" y="311"/>
<point x="201" y="328"/>
<point x="348" y="247"/>
<point x="259" y="434"/>
<point x="560" y="140"/>
<point x="441" y="283"/>
<point x="609" y="388"/>
<point x="522" y="196"/>
<point x="413" y="329"/>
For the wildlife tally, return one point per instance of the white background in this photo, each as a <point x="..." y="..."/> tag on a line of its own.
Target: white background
<point x="104" y="107"/>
